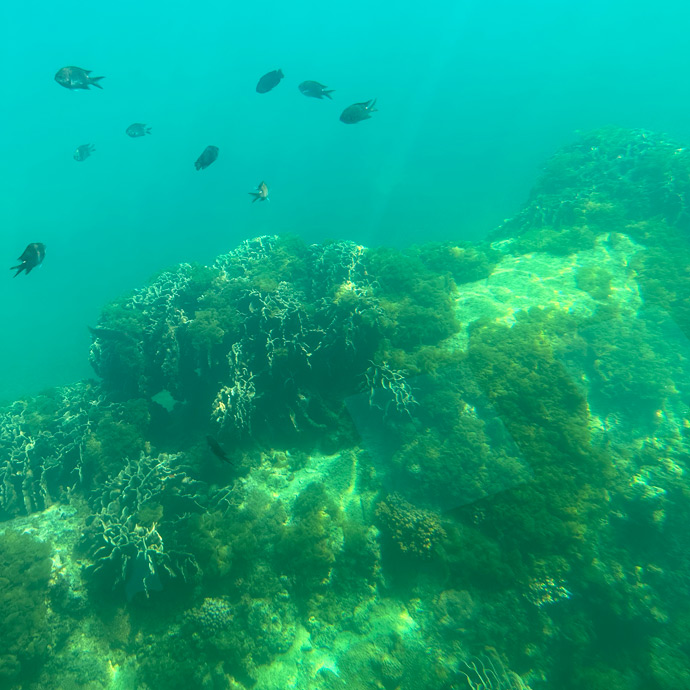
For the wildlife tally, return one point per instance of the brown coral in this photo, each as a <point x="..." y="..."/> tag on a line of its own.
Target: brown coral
<point x="413" y="530"/>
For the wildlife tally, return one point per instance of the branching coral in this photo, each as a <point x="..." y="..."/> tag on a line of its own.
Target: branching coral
<point x="249" y="254"/>
<point x="135" y="345"/>
<point x="233" y="405"/>
<point x="41" y="444"/>
<point x="133" y="512"/>
<point x="489" y="673"/>
<point x="266" y="336"/>
<point x="606" y="181"/>
<point x="390" y="389"/>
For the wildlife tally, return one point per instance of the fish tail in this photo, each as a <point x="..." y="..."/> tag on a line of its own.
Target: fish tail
<point x="148" y="130"/>
<point x="93" y="81"/>
<point x="20" y="267"/>
<point x="256" y="196"/>
<point x="328" y="93"/>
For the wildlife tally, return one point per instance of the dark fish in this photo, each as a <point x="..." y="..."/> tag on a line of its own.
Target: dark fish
<point x="313" y="89"/>
<point x="261" y="193"/>
<point x="32" y="256"/>
<point x="269" y="81"/>
<point x="83" y="152"/>
<point x="142" y="576"/>
<point x="113" y="334"/>
<point x="206" y="158"/>
<point x="76" y="78"/>
<point x="137" y="130"/>
<point x="357" y="112"/>
<point x="217" y="450"/>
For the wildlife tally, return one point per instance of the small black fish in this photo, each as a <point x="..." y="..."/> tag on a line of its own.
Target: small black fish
<point x="357" y="112"/>
<point x="83" y="152"/>
<point x="269" y="81"/>
<point x="261" y="193"/>
<point x="31" y="257"/>
<point x="142" y="576"/>
<point x="137" y="130"/>
<point x="217" y="450"/>
<point x="206" y="158"/>
<point x="76" y="78"/>
<point x="313" y="89"/>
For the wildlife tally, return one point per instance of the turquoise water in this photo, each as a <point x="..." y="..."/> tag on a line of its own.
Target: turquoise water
<point x="472" y="98"/>
<point x="369" y="435"/>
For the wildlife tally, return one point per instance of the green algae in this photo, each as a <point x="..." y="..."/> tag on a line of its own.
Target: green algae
<point x="547" y="418"/>
<point x="25" y="635"/>
<point x="595" y="280"/>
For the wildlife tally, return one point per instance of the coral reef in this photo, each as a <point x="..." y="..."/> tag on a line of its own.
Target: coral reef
<point x="26" y="635"/>
<point x="41" y="445"/>
<point x="133" y="511"/>
<point x="273" y="314"/>
<point x="607" y="179"/>
<point x="304" y="325"/>
<point x="488" y="673"/>
<point x="425" y="453"/>
<point x="213" y="616"/>
<point x="413" y="530"/>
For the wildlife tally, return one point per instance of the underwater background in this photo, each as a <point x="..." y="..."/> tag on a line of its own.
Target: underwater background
<point x="473" y="98"/>
<point x="420" y="422"/>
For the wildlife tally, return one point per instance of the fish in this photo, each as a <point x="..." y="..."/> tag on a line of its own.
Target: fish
<point x="269" y="81"/>
<point x="142" y="576"/>
<point x="110" y="333"/>
<point x="206" y="158"/>
<point x="137" y="130"/>
<point x="261" y="193"/>
<point x="76" y="78"/>
<point x="31" y="257"/>
<point x="357" y="112"/>
<point x="217" y="450"/>
<point x="83" y="152"/>
<point x="313" y="89"/>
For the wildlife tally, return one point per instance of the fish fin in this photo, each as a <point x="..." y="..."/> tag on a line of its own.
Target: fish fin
<point x="256" y="195"/>
<point x="93" y="81"/>
<point x="328" y="93"/>
<point x="280" y="72"/>
<point x="371" y="105"/>
<point x="20" y="267"/>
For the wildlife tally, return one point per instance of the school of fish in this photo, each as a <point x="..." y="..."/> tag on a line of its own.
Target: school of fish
<point x="77" y="78"/>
